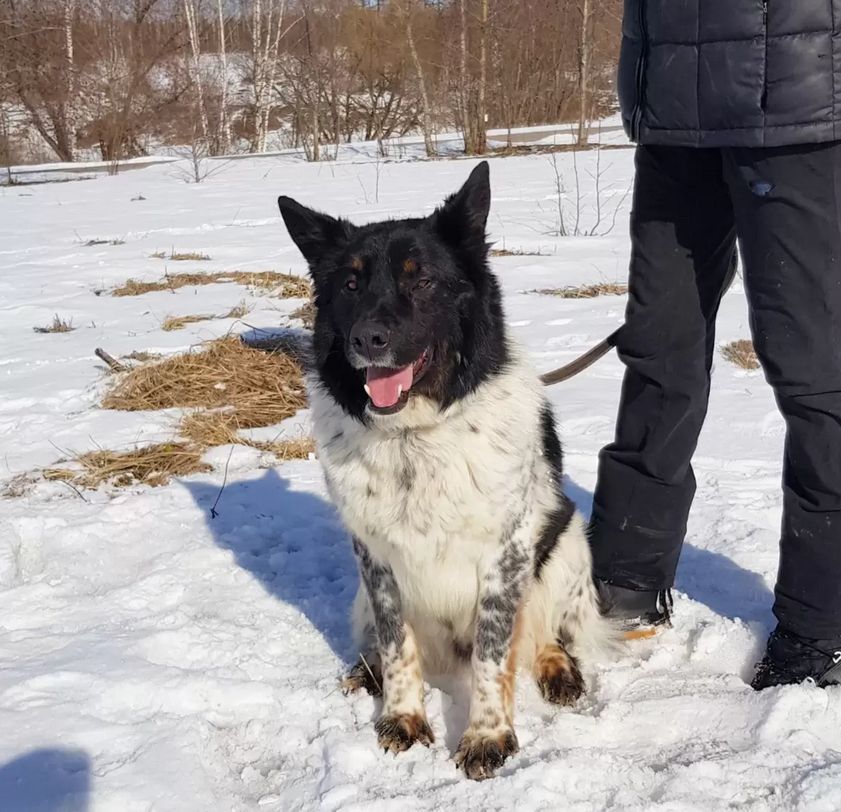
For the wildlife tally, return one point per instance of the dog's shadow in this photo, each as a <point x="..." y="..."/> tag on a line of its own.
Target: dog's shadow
<point x="292" y="542"/>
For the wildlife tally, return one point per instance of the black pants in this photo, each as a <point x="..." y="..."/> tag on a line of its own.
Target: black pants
<point x="690" y="205"/>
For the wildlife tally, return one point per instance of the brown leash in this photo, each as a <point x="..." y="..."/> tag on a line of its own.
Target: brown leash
<point x="581" y="363"/>
<point x="604" y="347"/>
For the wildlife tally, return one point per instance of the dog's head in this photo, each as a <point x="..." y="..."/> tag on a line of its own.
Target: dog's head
<point x="403" y="307"/>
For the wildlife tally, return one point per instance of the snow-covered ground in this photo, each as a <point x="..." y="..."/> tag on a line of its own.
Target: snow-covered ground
<point x="607" y="131"/>
<point x="155" y="658"/>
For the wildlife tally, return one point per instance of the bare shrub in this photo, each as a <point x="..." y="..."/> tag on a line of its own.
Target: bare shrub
<point x="59" y="325"/>
<point x="741" y="353"/>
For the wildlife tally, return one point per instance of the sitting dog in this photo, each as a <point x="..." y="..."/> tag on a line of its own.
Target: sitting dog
<point x="440" y="452"/>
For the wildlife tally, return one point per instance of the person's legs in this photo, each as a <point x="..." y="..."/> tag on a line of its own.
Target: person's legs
<point x="683" y="242"/>
<point x="788" y="212"/>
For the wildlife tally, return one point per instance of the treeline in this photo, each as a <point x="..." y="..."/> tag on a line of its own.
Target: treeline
<point x="121" y="78"/>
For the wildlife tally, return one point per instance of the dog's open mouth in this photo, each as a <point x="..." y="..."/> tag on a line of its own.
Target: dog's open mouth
<point x="388" y="388"/>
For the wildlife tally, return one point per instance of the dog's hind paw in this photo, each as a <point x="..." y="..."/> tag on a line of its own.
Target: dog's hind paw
<point x="399" y="732"/>
<point x="558" y="676"/>
<point x="365" y="674"/>
<point x="480" y="755"/>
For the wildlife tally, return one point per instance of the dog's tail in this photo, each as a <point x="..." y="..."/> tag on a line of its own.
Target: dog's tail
<point x="594" y="636"/>
<point x="565" y="604"/>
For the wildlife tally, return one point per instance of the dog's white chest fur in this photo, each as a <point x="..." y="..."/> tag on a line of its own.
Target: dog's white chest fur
<point x="430" y="494"/>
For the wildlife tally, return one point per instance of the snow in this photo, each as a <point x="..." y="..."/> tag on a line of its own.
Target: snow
<point x="155" y="658"/>
<point x="607" y="131"/>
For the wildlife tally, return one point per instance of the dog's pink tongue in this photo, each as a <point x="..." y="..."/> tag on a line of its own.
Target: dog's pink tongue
<point x="385" y="385"/>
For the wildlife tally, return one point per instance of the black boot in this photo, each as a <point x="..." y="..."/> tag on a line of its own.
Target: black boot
<point x="637" y="610"/>
<point x="790" y="659"/>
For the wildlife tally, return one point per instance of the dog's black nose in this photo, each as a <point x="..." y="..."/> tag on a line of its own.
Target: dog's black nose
<point x="370" y="339"/>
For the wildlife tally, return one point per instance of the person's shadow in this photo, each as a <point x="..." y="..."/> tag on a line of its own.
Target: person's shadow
<point x="708" y="577"/>
<point x="292" y="542"/>
<point x="46" y="780"/>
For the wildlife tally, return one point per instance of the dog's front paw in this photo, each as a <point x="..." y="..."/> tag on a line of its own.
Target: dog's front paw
<point x="481" y="754"/>
<point x="365" y="674"/>
<point x="558" y="676"/>
<point x="399" y="732"/>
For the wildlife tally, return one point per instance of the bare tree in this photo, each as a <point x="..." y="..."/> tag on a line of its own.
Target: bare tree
<point x="123" y="74"/>
<point x="39" y="52"/>
<point x="426" y="110"/>
<point x="70" y="76"/>
<point x="200" y="162"/>
<point x="224" y="129"/>
<point x="481" y="143"/>
<point x="465" y="82"/>
<point x="6" y="144"/>
<point x="134" y="76"/>
<point x="190" y="13"/>
<point x="474" y="76"/>
<point x="584" y="52"/>
<point x="267" y="21"/>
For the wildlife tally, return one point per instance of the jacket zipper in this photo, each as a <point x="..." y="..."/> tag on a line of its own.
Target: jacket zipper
<point x="763" y="101"/>
<point x="636" y="116"/>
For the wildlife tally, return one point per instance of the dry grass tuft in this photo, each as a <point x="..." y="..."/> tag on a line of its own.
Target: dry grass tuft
<point x="238" y="311"/>
<point x="141" y="355"/>
<point x="58" y="325"/>
<point x="116" y="241"/>
<point x="222" y="428"/>
<point x="132" y="287"/>
<point x="275" y="283"/>
<point x="171" y="323"/>
<point x="741" y="353"/>
<point x="262" y="388"/>
<point x="505" y="252"/>
<point x="153" y="465"/>
<point x="306" y="313"/>
<point x="586" y="291"/>
<point x="282" y="285"/>
<point x="18" y="486"/>
<point x="285" y="450"/>
<point x="232" y="385"/>
<point x="182" y="256"/>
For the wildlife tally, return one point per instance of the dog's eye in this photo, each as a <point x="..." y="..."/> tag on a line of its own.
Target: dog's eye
<point x="423" y="284"/>
<point x="351" y="283"/>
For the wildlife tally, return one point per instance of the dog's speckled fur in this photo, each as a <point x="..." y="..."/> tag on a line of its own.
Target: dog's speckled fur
<point x="467" y="546"/>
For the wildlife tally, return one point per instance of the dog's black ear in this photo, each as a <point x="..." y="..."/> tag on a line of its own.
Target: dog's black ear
<point x="313" y="232"/>
<point x="464" y="215"/>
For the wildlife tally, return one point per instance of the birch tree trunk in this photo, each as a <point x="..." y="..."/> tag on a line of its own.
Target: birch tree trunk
<point x="481" y="139"/>
<point x="195" y="51"/>
<point x="266" y="33"/>
<point x="426" y="113"/>
<point x="70" y="95"/>
<point x="5" y="144"/>
<point x="584" y="74"/>
<point x="224" y="134"/>
<point x="466" y="93"/>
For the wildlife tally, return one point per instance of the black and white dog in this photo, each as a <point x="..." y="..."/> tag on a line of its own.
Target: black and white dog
<point x="440" y="452"/>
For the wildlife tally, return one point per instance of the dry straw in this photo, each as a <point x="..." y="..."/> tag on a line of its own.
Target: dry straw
<point x="150" y="465"/>
<point x="283" y="285"/>
<point x="262" y="387"/>
<point x="587" y="291"/>
<point x="741" y="353"/>
<point x="231" y="385"/>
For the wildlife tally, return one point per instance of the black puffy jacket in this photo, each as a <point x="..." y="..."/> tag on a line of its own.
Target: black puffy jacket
<point x="712" y="73"/>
